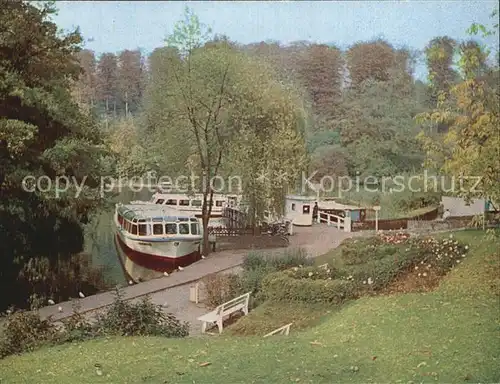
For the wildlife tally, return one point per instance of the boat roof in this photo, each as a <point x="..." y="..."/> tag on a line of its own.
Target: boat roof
<point x="188" y="196"/>
<point x="152" y="212"/>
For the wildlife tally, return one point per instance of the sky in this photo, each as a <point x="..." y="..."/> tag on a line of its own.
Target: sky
<point x="112" y="26"/>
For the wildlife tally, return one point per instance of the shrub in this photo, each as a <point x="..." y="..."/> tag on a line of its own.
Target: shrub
<point x="280" y="286"/>
<point x="365" y="250"/>
<point x="139" y="319"/>
<point x="25" y="331"/>
<point x="313" y="273"/>
<point x="276" y="262"/>
<point x="221" y="288"/>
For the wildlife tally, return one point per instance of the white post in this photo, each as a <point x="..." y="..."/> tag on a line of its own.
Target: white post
<point x="376" y="209"/>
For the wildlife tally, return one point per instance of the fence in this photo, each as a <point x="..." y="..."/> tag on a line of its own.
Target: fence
<point x="344" y="223"/>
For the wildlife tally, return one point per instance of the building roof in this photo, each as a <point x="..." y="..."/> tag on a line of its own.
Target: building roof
<point x="330" y="204"/>
<point x="301" y="198"/>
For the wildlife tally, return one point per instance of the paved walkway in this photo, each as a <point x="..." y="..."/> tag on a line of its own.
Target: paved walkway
<point x="174" y="289"/>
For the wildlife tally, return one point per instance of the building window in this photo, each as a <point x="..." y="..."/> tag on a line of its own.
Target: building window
<point x="218" y="203"/>
<point x="184" y="202"/>
<point x="196" y="203"/>
<point x="293" y="206"/>
<point x="305" y="209"/>
<point x="171" y="229"/>
<point x="171" y="202"/>
<point x="160" y="201"/>
<point x="157" y="229"/>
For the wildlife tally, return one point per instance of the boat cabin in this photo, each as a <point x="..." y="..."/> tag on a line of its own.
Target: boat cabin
<point x="139" y="220"/>
<point x="180" y="201"/>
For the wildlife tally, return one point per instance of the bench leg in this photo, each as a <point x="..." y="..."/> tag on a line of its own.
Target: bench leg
<point x="204" y="327"/>
<point x="219" y="325"/>
<point x="245" y="311"/>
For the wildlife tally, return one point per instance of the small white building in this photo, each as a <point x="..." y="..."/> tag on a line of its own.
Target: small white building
<point x="459" y="207"/>
<point x="299" y="209"/>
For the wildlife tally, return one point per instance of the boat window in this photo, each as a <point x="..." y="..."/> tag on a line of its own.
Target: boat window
<point x="141" y="221"/>
<point x="171" y="229"/>
<point x="171" y="202"/>
<point x="134" y="229"/>
<point x="218" y="203"/>
<point x="157" y="219"/>
<point x="196" y="203"/>
<point x="182" y="219"/>
<point x="194" y="219"/>
<point x="184" y="202"/>
<point x="160" y="201"/>
<point x="120" y="219"/>
<point x="157" y="229"/>
<point x="194" y="228"/>
<point x="143" y="230"/>
<point x="127" y="226"/>
<point x="184" y="229"/>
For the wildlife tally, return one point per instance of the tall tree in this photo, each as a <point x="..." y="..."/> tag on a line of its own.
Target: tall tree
<point x="470" y="150"/>
<point x="107" y="81"/>
<point x="371" y="60"/>
<point x="43" y="135"/>
<point x="129" y="79"/>
<point x="439" y="59"/>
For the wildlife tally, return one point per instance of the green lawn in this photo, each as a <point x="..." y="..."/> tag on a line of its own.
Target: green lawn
<point x="450" y="335"/>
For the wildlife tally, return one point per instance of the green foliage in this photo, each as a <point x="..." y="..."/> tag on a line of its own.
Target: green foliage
<point x="280" y="286"/>
<point x="364" y="266"/>
<point x="43" y="133"/>
<point x="469" y="151"/>
<point x="221" y="288"/>
<point x="143" y="318"/>
<point x="26" y="331"/>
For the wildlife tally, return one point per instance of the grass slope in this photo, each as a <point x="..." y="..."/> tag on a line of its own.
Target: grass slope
<point x="449" y="335"/>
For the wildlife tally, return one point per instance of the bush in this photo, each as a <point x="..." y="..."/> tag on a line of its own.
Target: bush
<point x="139" y="319"/>
<point x="280" y="286"/>
<point x="313" y="273"/>
<point x="276" y="262"/>
<point x="25" y="331"/>
<point x="221" y="288"/>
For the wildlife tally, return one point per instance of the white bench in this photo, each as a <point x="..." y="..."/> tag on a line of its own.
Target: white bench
<point x="217" y="315"/>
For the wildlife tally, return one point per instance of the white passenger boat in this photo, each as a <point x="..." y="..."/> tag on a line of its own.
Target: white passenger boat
<point x="157" y="237"/>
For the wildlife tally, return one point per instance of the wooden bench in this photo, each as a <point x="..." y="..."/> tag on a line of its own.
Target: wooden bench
<point x="217" y="315"/>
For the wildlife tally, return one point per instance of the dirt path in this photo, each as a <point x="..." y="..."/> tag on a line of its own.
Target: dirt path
<point x="174" y="289"/>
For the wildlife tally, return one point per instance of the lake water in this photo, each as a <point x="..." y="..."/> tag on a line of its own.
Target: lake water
<point x="99" y="239"/>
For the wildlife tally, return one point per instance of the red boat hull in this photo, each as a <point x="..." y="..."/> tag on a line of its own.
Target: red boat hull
<point x="157" y="263"/>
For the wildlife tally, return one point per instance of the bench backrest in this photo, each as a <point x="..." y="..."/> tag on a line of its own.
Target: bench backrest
<point x="233" y="305"/>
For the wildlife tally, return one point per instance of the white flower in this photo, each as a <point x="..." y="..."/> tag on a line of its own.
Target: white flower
<point x="310" y="274"/>
<point x="451" y="236"/>
<point x="466" y="247"/>
<point x="295" y="269"/>
<point x="364" y="282"/>
<point x="458" y="261"/>
<point x="463" y="255"/>
<point x="421" y="262"/>
<point x="424" y="274"/>
<point x="419" y="274"/>
<point x="370" y="281"/>
<point x="327" y="271"/>
<point x="428" y="266"/>
<point x="416" y="268"/>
